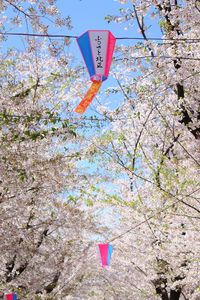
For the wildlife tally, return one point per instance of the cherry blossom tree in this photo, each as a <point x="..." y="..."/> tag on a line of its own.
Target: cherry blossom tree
<point x="134" y="168"/>
<point x="150" y="149"/>
<point x="44" y="234"/>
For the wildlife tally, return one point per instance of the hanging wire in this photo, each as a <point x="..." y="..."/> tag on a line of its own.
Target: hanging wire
<point x="193" y="40"/>
<point x="119" y="38"/>
<point x="159" y="56"/>
<point x="38" y="35"/>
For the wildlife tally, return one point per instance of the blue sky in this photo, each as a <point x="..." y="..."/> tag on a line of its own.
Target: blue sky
<point x="90" y="14"/>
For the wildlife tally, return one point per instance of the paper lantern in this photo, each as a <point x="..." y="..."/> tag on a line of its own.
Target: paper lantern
<point x="97" y="48"/>
<point x="105" y="251"/>
<point x="11" y="296"/>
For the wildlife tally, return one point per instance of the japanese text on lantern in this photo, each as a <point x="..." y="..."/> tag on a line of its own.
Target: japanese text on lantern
<point x="99" y="58"/>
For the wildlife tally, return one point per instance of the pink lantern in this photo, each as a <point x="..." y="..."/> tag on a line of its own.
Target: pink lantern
<point x="105" y="251"/>
<point x="97" y="48"/>
<point x="12" y="296"/>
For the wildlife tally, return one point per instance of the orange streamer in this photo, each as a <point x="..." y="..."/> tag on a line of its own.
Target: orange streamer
<point x="93" y="90"/>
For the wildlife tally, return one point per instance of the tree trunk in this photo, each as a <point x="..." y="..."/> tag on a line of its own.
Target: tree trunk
<point x="175" y="295"/>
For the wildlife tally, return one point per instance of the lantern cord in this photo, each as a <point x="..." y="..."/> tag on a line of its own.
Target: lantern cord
<point x="193" y="40"/>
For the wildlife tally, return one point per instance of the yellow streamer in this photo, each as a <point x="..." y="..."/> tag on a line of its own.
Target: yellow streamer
<point x="93" y="90"/>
